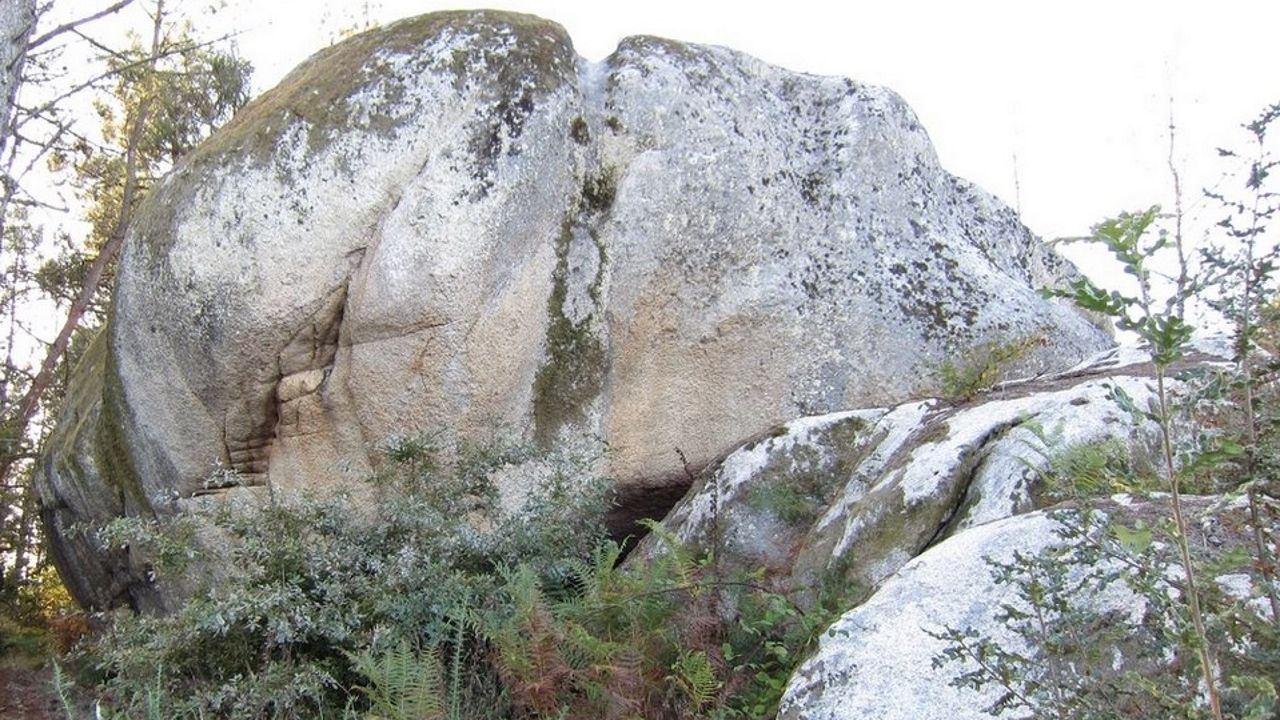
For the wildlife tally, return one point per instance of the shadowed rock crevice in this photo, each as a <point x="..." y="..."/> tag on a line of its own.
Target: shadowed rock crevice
<point x="288" y="405"/>
<point x="634" y="504"/>
<point x="966" y="474"/>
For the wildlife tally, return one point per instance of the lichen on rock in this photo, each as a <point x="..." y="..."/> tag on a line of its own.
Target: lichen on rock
<point x="456" y="223"/>
<point x="829" y="507"/>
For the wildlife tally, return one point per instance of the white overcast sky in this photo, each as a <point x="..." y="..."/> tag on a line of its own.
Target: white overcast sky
<point x="1079" y="92"/>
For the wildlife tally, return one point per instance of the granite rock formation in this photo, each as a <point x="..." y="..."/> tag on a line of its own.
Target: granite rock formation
<point x="456" y="223"/>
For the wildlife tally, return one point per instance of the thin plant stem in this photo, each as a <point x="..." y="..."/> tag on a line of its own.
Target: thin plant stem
<point x="1192" y="592"/>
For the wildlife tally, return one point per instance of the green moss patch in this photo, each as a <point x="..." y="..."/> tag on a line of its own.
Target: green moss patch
<point x="574" y="370"/>
<point x="576" y="360"/>
<point x="111" y="447"/>
<point x="799" y="485"/>
<point x="317" y="91"/>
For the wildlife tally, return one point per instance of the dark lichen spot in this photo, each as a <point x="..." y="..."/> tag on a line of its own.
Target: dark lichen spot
<point x="579" y="131"/>
<point x="811" y="289"/>
<point x="811" y="188"/>
<point x="491" y="135"/>
<point x="598" y="191"/>
<point x="514" y="114"/>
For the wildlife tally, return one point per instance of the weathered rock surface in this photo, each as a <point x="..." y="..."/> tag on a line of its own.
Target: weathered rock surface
<point x="877" y="659"/>
<point x="457" y="223"/>
<point x="838" y="503"/>
<point x="889" y="512"/>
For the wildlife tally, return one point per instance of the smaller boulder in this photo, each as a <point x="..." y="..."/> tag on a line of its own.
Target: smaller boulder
<point x="832" y="505"/>
<point x="887" y="658"/>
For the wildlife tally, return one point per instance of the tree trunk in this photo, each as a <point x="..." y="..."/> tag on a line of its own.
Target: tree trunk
<point x="17" y="21"/>
<point x="24" y="542"/>
<point x="30" y="402"/>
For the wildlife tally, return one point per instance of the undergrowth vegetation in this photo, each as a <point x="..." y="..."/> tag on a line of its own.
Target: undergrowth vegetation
<point x="38" y="621"/>
<point x="982" y="367"/>
<point x="435" y="601"/>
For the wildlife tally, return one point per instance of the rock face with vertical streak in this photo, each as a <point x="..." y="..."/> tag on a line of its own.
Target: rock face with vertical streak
<point x="455" y="223"/>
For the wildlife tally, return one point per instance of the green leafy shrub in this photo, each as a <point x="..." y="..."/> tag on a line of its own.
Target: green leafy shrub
<point x="432" y="601"/>
<point x="1198" y="650"/>
<point x="1072" y="660"/>
<point x="320" y="581"/>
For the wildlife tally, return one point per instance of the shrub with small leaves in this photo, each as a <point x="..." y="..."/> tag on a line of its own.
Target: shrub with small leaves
<point x="435" y="602"/>
<point x="321" y="587"/>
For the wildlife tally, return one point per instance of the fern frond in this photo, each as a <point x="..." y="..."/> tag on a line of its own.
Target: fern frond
<point x="403" y="685"/>
<point x="693" y="674"/>
<point x="527" y="640"/>
<point x="678" y="562"/>
<point x="460" y="619"/>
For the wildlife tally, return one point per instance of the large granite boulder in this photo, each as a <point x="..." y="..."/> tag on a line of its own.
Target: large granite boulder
<point x="455" y="223"/>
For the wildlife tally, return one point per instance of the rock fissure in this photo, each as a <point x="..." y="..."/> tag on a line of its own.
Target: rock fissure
<point x="370" y="335"/>
<point x="967" y="471"/>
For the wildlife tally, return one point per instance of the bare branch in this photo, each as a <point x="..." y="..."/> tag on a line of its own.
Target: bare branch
<point x="33" y="202"/>
<point x="152" y="58"/>
<point x="101" y="47"/>
<point x="1183" y="279"/>
<point x="67" y="27"/>
<point x="44" y="148"/>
